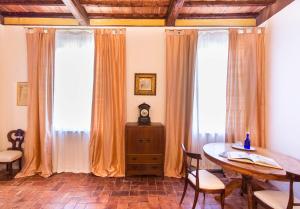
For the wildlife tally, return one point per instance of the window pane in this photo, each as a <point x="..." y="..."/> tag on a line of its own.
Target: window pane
<point x="73" y="83"/>
<point x="210" y="83"/>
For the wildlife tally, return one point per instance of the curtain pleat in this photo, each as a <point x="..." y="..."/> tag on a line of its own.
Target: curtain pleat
<point x="40" y="58"/>
<point x="180" y="72"/>
<point x="245" y="105"/>
<point x="108" y="109"/>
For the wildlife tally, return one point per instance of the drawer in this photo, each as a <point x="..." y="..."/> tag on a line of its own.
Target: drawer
<point x="144" y="169"/>
<point x="136" y="159"/>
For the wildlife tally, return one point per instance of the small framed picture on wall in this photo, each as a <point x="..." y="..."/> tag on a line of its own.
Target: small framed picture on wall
<point x="22" y="93"/>
<point x="145" y="84"/>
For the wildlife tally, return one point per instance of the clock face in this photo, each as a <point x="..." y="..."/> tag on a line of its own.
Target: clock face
<point x="144" y="112"/>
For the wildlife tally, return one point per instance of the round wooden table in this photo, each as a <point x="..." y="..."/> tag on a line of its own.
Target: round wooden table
<point x="212" y="152"/>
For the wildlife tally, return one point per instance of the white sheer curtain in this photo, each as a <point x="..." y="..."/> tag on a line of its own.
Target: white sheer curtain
<point x="73" y="83"/>
<point x="209" y="109"/>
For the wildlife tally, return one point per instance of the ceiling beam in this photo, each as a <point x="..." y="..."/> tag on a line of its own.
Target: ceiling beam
<point x="125" y="16"/>
<point x="218" y="16"/>
<point x="271" y="10"/>
<point x="78" y="11"/>
<point x="90" y="15"/>
<point x="114" y="3"/>
<point x="131" y="22"/>
<point x="37" y="14"/>
<point x="131" y="16"/>
<point x="110" y="3"/>
<point x="228" y="3"/>
<point x="173" y="11"/>
<point x="32" y="2"/>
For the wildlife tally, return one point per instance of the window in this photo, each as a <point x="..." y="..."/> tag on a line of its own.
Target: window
<point x="209" y="110"/>
<point x="73" y="81"/>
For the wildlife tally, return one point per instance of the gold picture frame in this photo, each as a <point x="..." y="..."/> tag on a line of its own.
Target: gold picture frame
<point x="22" y="93"/>
<point x="145" y="84"/>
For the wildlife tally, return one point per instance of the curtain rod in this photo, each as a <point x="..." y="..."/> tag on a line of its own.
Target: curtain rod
<point x="122" y="27"/>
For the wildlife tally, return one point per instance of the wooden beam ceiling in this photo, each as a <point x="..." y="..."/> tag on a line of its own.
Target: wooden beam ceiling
<point x="132" y="16"/>
<point x="125" y="16"/>
<point x="271" y="10"/>
<point x="218" y="16"/>
<point x="32" y="2"/>
<point x="37" y="14"/>
<point x="170" y="11"/>
<point x="111" y="3"/>
<point x="173" y="12"/>
<point x="90" y="15"/>
<point x="114" y="3"/>
<point x="78" y="11"/>
<point x="228" y="3"/>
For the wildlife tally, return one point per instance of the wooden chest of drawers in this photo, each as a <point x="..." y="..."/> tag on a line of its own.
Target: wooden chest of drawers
<point x="144" y="149"/>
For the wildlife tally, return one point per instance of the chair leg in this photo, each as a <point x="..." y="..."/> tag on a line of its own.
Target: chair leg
<point x="254" y="203"/>
<point x="7" y="167"/>
<point x="20" y="164"/>
<point x="10" y="170"/>
<point x="184" y="191"/>
<point x="204" y="195"/>
<point x="195" y="199"/>
<point x="223" y="199"/>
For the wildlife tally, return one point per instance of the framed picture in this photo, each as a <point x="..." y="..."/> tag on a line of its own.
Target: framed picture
<point x="22" y="93"/>
<point x="145" y="84"/>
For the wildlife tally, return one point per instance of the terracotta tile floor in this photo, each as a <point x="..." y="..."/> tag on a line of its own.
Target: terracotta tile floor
<point x="83" y="191"/>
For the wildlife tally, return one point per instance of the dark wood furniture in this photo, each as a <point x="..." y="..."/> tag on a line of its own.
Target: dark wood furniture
<point x="144" y="149"/>
<point x="277" y="199"/>
<point x="15" y="152"/>
<point x="249" y="171"/>
<point x="200" y="180"/>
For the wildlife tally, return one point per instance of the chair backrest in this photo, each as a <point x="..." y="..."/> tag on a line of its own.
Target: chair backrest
<point x="293" y="178"/>
<point x="16" y="137"/>
<point x="189" y="168"/>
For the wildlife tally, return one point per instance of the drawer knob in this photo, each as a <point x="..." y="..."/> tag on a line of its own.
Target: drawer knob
<point x="140" y="140"/>
<point x="144" y="140"/>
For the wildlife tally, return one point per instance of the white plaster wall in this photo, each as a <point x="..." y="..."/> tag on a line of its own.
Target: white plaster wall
<point x="283" y="81"/>
<point x="13" y="65"/>
<point x="145" y="54"/>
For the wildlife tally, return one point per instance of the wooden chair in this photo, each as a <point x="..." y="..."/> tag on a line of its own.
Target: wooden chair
<point x="200" y="180"/>
<point x="278" y="199"/>
<point x="14" y="153"/>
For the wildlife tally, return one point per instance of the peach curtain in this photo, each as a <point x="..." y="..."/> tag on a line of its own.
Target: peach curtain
<point x="245" y="111"/>
<point x="180" y="73"/>
<point x="40" y="58"/>
<point x="108" y="111"/>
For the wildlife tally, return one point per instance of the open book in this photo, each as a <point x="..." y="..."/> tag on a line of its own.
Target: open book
<point x="253" y="159"/>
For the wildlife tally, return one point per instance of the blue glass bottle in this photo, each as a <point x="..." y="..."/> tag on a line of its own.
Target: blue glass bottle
<point x="247" y="143"/>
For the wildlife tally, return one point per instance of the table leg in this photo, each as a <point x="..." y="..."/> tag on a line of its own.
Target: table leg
<point x="248" y="182"/>
<point x="244" y="186"/>
<point x="231" y="186"/>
